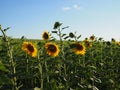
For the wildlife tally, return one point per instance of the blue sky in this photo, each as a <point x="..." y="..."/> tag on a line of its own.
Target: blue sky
<point x="30" y="18"/>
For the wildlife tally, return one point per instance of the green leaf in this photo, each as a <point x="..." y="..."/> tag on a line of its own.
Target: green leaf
<point x="92" y="67"/>
<point x="54" y="31"/>
<point x="65" y="27"/>
<point x="95" y="88"/>
<point x="95" y="79"/>
<point x="66" y="37"/>
<point x="3" y="68"/>
<point x="0" y="27"/>
<point x="6" y="29"/>
<point x="78" y="36"/>
<point x="63" y="35"/>
<point x="4" y="79"/>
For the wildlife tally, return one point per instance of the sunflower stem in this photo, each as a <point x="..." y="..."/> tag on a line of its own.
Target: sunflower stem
<point x="60" y="37"/>
<point x="11" y="61"/>
<point x="40" y="71"/>
<point x="46" y="70"/>
<point x="26" y="74"/>
<point x="62" y="55"/>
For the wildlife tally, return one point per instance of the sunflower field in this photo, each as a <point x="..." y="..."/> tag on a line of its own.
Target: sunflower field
<point x="66" y="63"/>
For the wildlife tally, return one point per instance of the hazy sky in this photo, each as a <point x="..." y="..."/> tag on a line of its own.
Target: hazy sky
<point x="87" y="17"/>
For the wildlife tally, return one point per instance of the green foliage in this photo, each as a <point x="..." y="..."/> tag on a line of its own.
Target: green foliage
<point x="98" y="69"/>
<point x="3" y="68"/>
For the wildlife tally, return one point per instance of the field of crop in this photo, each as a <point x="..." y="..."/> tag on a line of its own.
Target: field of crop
<point x="65" y="64"/>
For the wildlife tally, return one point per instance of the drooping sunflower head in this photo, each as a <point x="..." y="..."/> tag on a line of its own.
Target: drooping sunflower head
<point x="52" y="49"/>
<point x="29" y="48"/>
<point x="56" y="25"/>
<point x="45" y="36"/>
<point x="78" y="48"/>
<point x="71" y="35"/>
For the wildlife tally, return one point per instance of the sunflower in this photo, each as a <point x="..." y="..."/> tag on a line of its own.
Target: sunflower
<point x="45" y="36"/>
<point x="87" y="43"/>
<point x="52" y="49"/>
<point x="92" y="37"/>
<point x="29" y="48"/>
<point x="118" y="43"/>
<point x="78" y="48"/>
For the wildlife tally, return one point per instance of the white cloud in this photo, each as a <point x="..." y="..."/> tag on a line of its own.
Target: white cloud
<point x="66" y="8"/>
<point x="76" y="6"/>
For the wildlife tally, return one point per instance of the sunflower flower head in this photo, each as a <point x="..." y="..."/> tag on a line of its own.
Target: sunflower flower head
<point x="29" y="48"/>
<point x="52" y="49"/>
<point x="92" y="37"/>
<point x="45" y="36"/>
<point x="118" y="43"/>
<point x="78" y="48"/>
<point x="87" y="43"/>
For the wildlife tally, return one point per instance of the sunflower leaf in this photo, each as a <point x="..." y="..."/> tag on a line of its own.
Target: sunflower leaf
<point x="78" y="36"/>
<point x="63" y="35"/>
<point x="54" y="31"/>
<point x="66" y="37"/>
<point x="2" y="67"/>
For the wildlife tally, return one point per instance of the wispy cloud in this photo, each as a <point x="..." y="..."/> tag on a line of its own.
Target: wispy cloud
<point x="76" y="6"/>
<point x="66" y="8"/>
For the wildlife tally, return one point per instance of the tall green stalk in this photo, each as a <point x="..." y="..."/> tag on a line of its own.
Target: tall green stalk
<point x="40" y="72"/>
<point x="11" y="60"/>
<point x="63" y="64"/>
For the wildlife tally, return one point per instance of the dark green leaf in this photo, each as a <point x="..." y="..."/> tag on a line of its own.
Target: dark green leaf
<point x="2" y="67"/>
<point x="54" y="31"/>
<point x="78" y="36"/>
